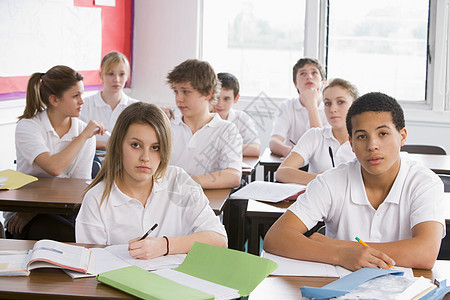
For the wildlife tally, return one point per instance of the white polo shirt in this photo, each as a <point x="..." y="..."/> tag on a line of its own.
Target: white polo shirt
<point x="338" y="198"/>
<point x="177" y="204"/>
<point x="214" y="147"/>
<point x="245" y="125"/>
<point x="36" y="135"/>
<point x="292" y="120"/>
<point x="314" y="146"/>
<point x="94" y="108"/>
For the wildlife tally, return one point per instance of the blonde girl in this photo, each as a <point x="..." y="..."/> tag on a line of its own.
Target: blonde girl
<point x="106" y="105"/>
<point x="322" y="148"/>
<point x="136" y="189"/>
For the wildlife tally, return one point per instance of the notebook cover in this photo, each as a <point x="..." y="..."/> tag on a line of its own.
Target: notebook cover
<point x="143" y="284"/>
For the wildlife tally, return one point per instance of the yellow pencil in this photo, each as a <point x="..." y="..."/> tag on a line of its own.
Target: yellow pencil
<point x="365" y="245"/>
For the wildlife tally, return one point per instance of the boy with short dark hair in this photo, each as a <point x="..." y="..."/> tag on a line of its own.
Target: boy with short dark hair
<point x="207" y="147"/>
<point x="299" y="114"/>
<point x="229" y="94"/>
<point x="392" y="203"/>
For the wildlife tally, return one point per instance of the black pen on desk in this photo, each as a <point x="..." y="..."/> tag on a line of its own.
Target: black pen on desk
<point x="292" y="142"/>
<point x="148" y="232"/>
<point x="331" y="155"/>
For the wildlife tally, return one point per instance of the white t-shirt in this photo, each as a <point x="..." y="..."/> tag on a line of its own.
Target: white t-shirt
<point x="94" y="108"/>
<point x="36" y="135"/>
<point x="245" y="125"/>
<point x="292" y="120"/>
<point x="214" y="147"/>
<point x="177" y="204"/>
<point x="314" y="146"/>
<point x="338" y="198"/>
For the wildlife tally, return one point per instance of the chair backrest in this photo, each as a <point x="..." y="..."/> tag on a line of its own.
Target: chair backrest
<point x="424" y="149"/>
<point x="95" y="168"/>
<point x="446" y="180"/>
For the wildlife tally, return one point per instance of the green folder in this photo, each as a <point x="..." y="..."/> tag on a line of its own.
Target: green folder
<point x="227" y="267"/>
<point x="146" y="285"/>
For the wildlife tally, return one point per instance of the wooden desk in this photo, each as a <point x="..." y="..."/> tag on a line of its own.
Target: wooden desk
<point x="437" y="163"/>
<point x="63" y="196"/>
<point x="270" y="162"/>
<point x="288" y="287"/>
<point x="55" y="284"/>
<point x="249" y="174"/>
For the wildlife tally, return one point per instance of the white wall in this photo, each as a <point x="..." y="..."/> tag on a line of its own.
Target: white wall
<point x="165" y="34"/>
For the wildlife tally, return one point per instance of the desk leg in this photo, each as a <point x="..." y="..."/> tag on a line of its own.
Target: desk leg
<point x="253" y="239"/>
<point x="234" y="222"/>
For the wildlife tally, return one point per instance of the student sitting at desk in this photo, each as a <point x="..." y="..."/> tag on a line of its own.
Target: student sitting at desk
<point x="392" y="203"/>
<point x="300" y="113"/>
<point x="204" y="145"/>
<point x="229" y="94"/>
<point x="52" y="141"/>
<point x="106" y="105"/>
<point x="322" y="148"/>
<point x="136" y="189"/>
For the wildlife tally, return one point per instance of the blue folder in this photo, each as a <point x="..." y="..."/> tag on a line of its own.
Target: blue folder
<point x="346" y="284"/>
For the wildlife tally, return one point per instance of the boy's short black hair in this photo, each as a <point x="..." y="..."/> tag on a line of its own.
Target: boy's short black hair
<point x="229" y="82"/>
<point x="307" y="61"/>
<point x="377" y="102"/>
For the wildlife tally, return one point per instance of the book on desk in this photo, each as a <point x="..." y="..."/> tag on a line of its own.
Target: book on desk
<point x="45" y="254"/>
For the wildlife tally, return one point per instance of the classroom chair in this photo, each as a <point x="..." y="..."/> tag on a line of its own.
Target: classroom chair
<point x="95" y="168"/>
<point x="2" y="231"/>
<point x="424" y="149"/>
<point x="444" y="252"/>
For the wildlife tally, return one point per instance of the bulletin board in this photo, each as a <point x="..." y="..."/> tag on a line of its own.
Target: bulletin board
<point x="36" y="35"/>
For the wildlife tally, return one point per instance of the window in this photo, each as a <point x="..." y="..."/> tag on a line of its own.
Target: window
<point x="380" y="45"/>
<point x="258" y="46"/>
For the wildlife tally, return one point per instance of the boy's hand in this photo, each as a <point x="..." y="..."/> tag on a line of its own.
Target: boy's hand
<point x="147" y="248"/>
<point x="310" y="97"/>
<point x="355" y="258"/>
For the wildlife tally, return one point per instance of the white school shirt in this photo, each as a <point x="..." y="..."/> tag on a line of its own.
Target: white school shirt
<point x="177" y="204"/>
<point x="292" y="120"/>
<point x="245" y="125"/>
<point x="314" y="145"/>
<point x="94" y="108"/>
<point x="338" y="198"/>
<point x="214" y="147"/>
<point x="37" y="135"/>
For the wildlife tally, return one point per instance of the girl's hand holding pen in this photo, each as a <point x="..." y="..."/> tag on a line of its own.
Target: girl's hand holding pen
<point x="93" y="128"/>
<point x="147" y="248"/>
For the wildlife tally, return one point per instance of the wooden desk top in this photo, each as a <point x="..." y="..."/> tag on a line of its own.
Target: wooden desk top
<point x="63" y="196"/>
<point x="55" y="284"/>
<point x="251" y="161"/>
<point x="270" y="159"/>
<point x="288" y="287"/>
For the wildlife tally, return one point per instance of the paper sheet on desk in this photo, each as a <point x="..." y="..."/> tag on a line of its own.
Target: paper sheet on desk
<point x="162" y="262"/>
<point x="15" y="179"/>
<point x="295" y="267"/>
<point x="268" y="191"/>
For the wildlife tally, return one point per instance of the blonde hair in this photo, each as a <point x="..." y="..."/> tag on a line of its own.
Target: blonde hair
<point x="111" y="60"/>
<point x="344" y="84"/>
<point x="200" y="74"/>
<point x="136" y="113"/>
<point x="41" y="86"/>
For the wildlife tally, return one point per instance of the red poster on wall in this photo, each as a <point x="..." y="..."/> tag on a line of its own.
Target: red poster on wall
<point x="116" y="35"/>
